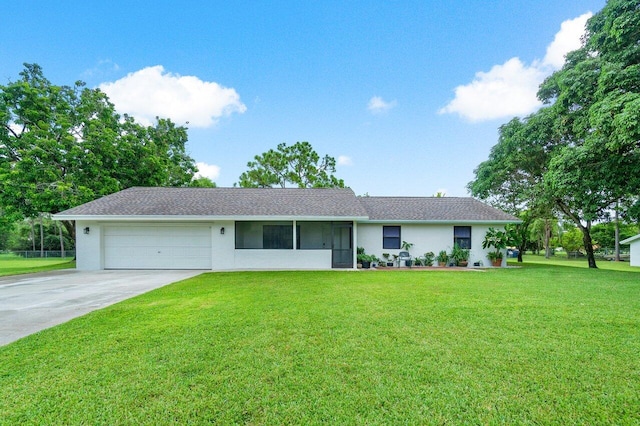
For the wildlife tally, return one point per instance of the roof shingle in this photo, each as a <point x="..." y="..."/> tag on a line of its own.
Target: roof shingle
<point x="431" y="209"/>
<point x="289" y="202"/>
<point x="140" y="201"/>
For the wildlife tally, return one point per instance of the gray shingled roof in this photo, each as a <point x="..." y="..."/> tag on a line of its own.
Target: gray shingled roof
<point x="431" y="209"/>
<point x="290" y="202"/>
<point x="322" y="202"/>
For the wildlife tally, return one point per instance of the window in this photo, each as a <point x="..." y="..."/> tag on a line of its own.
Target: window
<point x="391" y="237"/>
<point x="264" y="235"/>
<point x="462" y="236"/>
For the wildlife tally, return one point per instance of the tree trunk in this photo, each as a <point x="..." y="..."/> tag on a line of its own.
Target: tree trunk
<point x="547" y="239"/>
<point x="41" y="238"/>
<point x="588" y="246"/>
<point x="70" y="226"/>
<point x="61" y="241"/>
<point x="616" y="257"/>
<point x="33" y="235"/>
<point x="586" y="233"/>
<point x="521" y="249"/>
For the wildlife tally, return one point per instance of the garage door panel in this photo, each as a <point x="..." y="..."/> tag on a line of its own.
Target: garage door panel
<point x="157" y="247"/>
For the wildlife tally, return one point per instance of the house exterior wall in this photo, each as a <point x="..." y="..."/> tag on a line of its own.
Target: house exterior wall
<point x="89" y="246"/>
<point x="425" y="238"/>
<point x="224" y="255"/>
<point x="634" y="253"/>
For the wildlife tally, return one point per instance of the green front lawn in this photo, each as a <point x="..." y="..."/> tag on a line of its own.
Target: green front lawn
<point x="532" y="345"/>
<point x="11" y="264"/>
<point x="560" y="260"/>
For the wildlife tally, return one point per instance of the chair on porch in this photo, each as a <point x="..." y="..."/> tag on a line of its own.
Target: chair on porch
<point x="404" y="255"/>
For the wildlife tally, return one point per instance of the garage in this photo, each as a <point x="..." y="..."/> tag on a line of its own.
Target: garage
<point x="157" y="247"/>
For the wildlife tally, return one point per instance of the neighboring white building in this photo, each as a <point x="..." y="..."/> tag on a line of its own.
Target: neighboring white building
<point x="269" y="228"/>
<point x="634" y="247"/>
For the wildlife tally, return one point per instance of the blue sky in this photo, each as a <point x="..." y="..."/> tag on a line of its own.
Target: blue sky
<point x="408" y="95"/>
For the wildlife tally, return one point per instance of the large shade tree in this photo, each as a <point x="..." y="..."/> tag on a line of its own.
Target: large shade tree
<point x="61" y="146"/>
<point x="588" y="135"/>
<point x="298" y="165"/>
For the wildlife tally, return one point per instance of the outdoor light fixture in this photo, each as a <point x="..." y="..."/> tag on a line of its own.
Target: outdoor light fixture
<point x="86" y="230"/>
<point x="222" y="231"/>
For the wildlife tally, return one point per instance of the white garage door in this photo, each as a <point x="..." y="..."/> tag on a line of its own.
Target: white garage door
<point x="157" y="247"/>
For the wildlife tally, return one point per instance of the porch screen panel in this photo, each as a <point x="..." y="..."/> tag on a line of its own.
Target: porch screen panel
<point x="264" y="235"/>
<point x="279" y="237"/>
<point x="313" y="235"/>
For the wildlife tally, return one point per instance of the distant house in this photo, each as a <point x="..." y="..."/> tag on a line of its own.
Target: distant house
<point x="634" y="245"/>
<point x="272" y="228"/>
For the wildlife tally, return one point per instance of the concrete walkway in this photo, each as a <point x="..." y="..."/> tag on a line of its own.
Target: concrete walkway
<point x="30" y="303"/>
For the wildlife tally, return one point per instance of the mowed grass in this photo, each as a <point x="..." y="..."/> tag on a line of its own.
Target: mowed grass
<point x="14" y="265"/>
<point x="532" y="345"/>
<point x="560" y="260"/>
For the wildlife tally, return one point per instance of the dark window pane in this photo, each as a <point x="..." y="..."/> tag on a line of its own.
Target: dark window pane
<point x="391" y="231"/>
<point x="391" y="237"/>
<point x="277" y="237"/>
<point x="462" y="236"/>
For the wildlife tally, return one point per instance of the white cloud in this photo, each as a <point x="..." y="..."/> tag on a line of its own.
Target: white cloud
<point x="566" y="40"/>
<point x="378" y="105"/>
<point x="510" y="89"/>
<point x="343" y="160"/>
<point x="152" y="92"/>
<point x="507" y="90"/>
<point x="210" y="171"/>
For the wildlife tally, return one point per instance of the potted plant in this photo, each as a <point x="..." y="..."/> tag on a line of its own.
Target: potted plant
<point x="459" y="255"/>
<point x="429" y="257"/>
<point x="387" y="258"/>
<point x="495" y="257"/>
<point x="443" y="257"/>
<point x="498" y="240"/>
<point x="363" y="259"/>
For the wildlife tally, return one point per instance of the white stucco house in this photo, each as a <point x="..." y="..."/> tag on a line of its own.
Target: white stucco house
<point x="634" y="247"/>
<point x="272" y="228"/>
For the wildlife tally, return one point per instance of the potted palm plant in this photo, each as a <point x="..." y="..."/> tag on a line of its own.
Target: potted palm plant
<point x="459" y="255"/>
<point x="498" y="240"/>
<point x="443" y="258"/>
<point x="495" y="257"/>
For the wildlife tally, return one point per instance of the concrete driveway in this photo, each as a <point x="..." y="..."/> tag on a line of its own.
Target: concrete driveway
<point x="30" y="303"/>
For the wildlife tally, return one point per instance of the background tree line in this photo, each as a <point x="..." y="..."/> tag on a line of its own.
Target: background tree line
<point x="61" y="146"/>
<point x="579" y="156"/>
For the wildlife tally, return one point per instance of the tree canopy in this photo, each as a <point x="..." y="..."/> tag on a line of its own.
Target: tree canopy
<point x="580" y="154"/>
<point x="61" y="146"/>
<point x="298" y="165"/>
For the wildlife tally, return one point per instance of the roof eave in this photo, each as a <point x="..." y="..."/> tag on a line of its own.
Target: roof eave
<point x="200" y="218"/>
<point x="630" y="239"/>
<point x="442" y="221"/>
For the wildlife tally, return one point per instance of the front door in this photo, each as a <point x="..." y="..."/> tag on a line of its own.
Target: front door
<point x="342" y="245"/>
